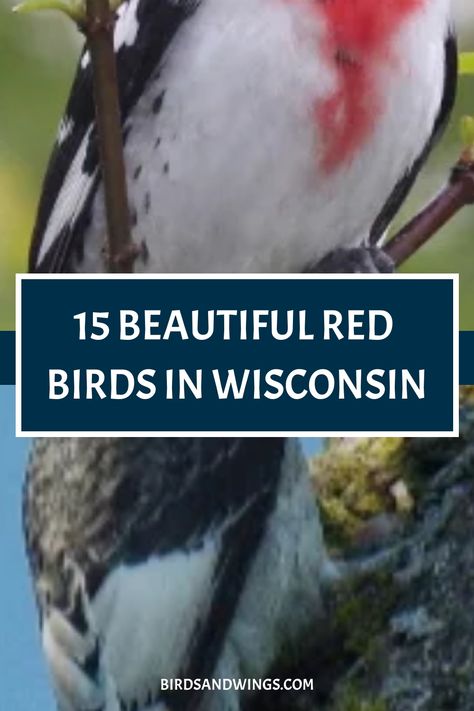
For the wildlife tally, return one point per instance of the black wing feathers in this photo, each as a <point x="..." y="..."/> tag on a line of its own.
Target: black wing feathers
<point x="128" y="499"/>
<point x="158" y="21"/>
<point x="405" y="184"/>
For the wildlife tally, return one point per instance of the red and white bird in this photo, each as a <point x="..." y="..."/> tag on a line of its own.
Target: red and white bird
<point x="262" y="136"/>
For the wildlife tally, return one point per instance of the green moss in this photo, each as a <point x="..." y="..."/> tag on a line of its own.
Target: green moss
<point x="352" y="700"/>
<point x="466" y="395"/>
<point x="362" y="612"/>
<point x="352" y="479"/>
<point x="360" y="615"/>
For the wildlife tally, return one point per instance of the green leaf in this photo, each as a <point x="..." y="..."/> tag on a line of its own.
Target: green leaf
<point x="466" y="63"/>
<point x="467" y="131"/>
<point x="75" y="9"/>
<point x="467" y="136"/>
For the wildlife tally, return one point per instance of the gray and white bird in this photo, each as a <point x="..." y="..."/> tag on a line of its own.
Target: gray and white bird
<point x="260" y="135"/>
<point x="170" y="559"/>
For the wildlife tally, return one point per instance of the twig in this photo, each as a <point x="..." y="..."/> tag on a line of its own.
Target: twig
<point x="98" y="30"/>
<point x="458" y="193"/>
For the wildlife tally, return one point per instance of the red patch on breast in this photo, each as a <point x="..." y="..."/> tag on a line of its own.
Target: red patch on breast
<point x="358" y="39"/>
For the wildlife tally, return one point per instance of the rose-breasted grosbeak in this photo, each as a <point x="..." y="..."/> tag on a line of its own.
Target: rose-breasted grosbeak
<point x="260" y="135"/>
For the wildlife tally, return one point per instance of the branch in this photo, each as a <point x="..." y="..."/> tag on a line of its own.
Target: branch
<point x="98" y="29"/>
<point x="458" y="193"/>
<point x="96" y="19"/>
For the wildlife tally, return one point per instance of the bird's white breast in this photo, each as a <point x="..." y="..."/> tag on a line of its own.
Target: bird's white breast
<point x="229" y="175"/>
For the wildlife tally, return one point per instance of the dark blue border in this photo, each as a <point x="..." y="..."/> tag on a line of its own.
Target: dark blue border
<point x="7" y="357"/>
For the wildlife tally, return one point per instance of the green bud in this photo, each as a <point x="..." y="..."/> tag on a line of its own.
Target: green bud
<point x="466" y="63"/>
<point x="76" y="10"/>
<point x="467" y="136"/>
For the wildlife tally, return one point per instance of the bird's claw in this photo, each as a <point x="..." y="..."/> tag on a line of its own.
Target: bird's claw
<point x="355" y="260"/>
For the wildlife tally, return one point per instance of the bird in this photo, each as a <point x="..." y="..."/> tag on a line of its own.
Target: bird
<point x="259" y="136"/>
<point x="170" y="558"/>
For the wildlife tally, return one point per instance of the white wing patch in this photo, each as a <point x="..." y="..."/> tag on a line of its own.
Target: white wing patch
<point x="146" y="615"/>
<point x="66" y="128"/>
<point x="126" y="28"/>
<point x="71" y="198"/>
<point x="86" y="58"/>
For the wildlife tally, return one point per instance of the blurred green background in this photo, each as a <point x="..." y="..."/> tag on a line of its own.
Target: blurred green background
<point x="37" y="58"/>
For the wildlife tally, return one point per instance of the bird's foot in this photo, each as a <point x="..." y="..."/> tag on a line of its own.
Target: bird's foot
<point x="355" y="260"/>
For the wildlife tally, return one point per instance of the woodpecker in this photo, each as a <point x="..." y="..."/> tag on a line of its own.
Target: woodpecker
<point x="158" y="559"/>
<point x="260" y="136"/>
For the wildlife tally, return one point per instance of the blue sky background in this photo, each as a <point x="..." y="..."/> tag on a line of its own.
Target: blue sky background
<point x="24" y="684"/>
